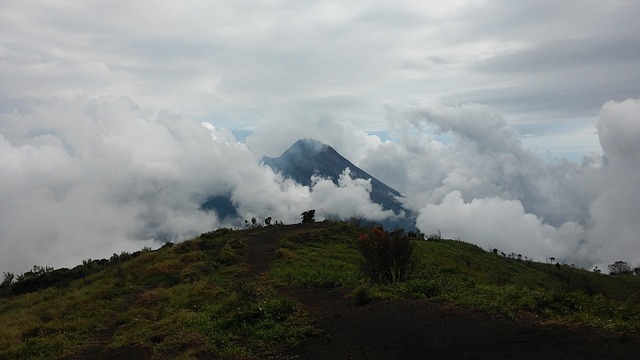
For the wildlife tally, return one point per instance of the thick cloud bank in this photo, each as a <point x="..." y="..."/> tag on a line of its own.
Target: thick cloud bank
<point x="484" y="187"/>
<point x="87" y="178"/>
<point x="90" y="177"/>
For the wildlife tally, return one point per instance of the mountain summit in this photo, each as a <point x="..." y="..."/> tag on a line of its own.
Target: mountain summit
<point x="308" y="157"/>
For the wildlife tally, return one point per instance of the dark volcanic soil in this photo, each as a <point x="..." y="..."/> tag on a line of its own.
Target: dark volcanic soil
<point x="427" y="330"/>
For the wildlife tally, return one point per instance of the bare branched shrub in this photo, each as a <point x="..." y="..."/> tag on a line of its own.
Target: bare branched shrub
<point x="387" y="256"/>
<point x="620" y="268"/>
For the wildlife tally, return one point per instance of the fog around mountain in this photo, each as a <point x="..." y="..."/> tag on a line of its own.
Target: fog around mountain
<point x="513" y="125"/>
<point x="308" y="161"/>
<point x="90" y="177"/>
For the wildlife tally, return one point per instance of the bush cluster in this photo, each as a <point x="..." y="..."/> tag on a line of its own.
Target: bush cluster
<point x="387" y="256"/>
<point x="42" y="277"/>
<point x="309" y="216"/>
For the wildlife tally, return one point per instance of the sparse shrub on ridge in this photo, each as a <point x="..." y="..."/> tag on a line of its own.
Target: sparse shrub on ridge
<point x="620" y="268"/>
<point x="387" y="256"/>
<point x="435" y="236"/>
<point x="309" y="216"/>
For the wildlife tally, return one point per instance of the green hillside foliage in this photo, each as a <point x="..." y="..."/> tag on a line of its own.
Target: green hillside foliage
<point x="466" y="275"/>
<point x="191" y="300"/>
<point x="179" y="302"/>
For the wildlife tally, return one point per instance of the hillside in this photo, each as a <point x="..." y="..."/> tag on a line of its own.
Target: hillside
<point x="296" y="291"/>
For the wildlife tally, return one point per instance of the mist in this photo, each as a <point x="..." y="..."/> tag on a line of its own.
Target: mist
<point x="90" y="177"/>
<point x="486" y="188"/>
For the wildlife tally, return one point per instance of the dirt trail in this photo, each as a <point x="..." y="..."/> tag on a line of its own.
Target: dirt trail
<point x="425" y="330"/>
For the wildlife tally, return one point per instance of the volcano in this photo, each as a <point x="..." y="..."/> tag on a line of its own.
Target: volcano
<point x="309" y="157"/>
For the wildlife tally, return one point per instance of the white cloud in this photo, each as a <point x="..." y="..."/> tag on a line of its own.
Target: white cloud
<point x="237" y="64"/>
<point x="348" y="198"/>
<point x="502" y="224"/>
<point x="323" y="70"/>
<point x="273" y="137"/>
<point x="86" y="178"/>
<point x="614" y="213"/>
<point x="484" y="187"/>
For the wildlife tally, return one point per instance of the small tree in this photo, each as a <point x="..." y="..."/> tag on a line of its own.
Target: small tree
<point x="387" y="257"/>
<point x="620" y="268"/>
<point x="309" y="216"/>
<point x="8" y="278"/>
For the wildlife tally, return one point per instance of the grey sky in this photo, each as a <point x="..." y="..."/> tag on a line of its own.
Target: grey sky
<point x="238" y="63"/>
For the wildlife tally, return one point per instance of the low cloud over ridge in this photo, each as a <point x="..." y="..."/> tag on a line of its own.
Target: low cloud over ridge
<point x="486" y="188"/>
<point x="89" y="177"/>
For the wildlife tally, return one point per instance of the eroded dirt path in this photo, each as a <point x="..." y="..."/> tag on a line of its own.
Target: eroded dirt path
<point x="425" y="330"/>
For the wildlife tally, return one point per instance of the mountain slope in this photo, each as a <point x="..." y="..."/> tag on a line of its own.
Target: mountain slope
<point x="308" y="157"/>
<point x="257" y="293"/>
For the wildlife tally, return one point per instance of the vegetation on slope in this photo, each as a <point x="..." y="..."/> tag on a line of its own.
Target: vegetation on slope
<point x="467" y="275"/>
<point x="194" y="299"/>
<point x="182" y="301"/>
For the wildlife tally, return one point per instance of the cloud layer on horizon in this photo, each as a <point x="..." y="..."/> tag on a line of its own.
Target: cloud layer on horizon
<point x="90" y="177"/>
<point x="471" y="108"/>
<point x="487" y="189"/>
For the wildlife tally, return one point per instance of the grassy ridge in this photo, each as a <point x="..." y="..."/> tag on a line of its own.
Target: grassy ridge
<point x="467" y="275"/>
<point x="191" y="300"/>
<point x="177" y="302"/>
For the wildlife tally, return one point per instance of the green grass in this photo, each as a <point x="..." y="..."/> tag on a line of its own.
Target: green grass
<point x="186" y="301"/>
<point x="179" y="301"/>
<point x="319" y="258"/>
<point x="466" y="275"/>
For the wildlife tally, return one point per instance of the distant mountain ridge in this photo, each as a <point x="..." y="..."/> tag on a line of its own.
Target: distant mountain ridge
<point x="308" y="157"/>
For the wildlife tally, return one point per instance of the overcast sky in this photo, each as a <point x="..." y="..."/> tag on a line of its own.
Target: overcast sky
<point x="516" y="113"/>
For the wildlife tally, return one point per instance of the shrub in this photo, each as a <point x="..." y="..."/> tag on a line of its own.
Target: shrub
<point x="387" y="257"/>
<point x="435" y="237"/>
<point x="620" y="268"/>
<point x="362" y="296"/>
<point x="309" y="216"/>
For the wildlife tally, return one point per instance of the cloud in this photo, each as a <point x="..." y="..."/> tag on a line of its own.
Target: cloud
<point x="483" y="158"/>
<point x="237" y="64"/>
<point x="274" y="135"/>
<point x="290" y="70"/>
<point x="467" y="174"/>
<point x="348" y="198"/>
<point x="615" y="210"/>
<point x="497" y="223"/>
<point x="89" y="177"/>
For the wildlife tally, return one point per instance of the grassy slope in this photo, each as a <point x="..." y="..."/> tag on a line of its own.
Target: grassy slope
<point x="177" y="302"/>
<point x="467" y="275"/>
<point x="189" y="299"/>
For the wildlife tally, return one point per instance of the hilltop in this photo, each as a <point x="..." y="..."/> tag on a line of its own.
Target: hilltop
<point x="297" y="292"/>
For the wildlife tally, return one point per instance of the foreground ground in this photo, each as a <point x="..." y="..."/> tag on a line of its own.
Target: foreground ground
<point x="296" y="292"/>
<point x="409" y="329"/>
